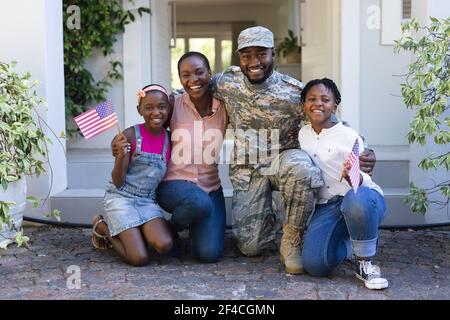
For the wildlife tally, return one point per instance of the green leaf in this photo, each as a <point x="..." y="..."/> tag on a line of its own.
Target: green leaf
<point x="34" y="201"/>
<point x="55" y="214"/>
<point x="20" y="239"/>
<point x="4" y="184"/>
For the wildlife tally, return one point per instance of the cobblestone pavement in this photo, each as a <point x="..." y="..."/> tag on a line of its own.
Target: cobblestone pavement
<point x="417" y="264"/>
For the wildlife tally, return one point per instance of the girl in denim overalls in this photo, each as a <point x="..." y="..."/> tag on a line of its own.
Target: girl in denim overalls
<point x="132" y="218"/>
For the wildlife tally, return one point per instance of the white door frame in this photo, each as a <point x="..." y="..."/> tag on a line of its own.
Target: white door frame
<point x="326" y="40"/>
<point x="350" y="61"/>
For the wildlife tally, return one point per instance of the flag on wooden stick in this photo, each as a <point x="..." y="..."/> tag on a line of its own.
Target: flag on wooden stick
<point x="97" y="120"/>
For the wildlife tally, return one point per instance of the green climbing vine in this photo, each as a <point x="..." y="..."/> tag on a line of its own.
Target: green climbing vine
<point x="100" y="22"/>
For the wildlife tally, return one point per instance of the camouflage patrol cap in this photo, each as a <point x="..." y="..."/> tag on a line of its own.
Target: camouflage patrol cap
<point x="255" y="37"/>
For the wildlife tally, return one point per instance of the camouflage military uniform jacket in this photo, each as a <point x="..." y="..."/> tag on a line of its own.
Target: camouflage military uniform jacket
<point x="259" y="108"/>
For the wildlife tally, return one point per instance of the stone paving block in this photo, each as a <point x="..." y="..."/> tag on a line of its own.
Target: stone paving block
<point x="299" y="291"/>
<point x="7" y="284"/>
<point x="242" y="277"/>
<point x="364" y="294"/>
<point x="226" y="268"/>
<point x="278" y="277"/>
<point x="417" y="265"/>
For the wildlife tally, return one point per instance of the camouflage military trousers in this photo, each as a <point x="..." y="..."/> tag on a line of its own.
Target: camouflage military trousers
<point x="294" y="175"/>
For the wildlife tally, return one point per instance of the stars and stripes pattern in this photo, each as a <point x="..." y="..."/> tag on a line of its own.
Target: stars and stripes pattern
<point x="353" y="161"/>
<point x="97" y="120"/>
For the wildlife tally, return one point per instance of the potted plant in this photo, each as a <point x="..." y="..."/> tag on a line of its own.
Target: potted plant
<point x="289" y="48"/>
<point x="22" y="149"/>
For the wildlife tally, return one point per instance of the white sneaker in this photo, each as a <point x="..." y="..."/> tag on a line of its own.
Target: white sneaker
<point x="371" y="275"/>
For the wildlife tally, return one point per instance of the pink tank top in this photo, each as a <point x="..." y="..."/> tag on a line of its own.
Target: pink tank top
<point x="151" y="143"/>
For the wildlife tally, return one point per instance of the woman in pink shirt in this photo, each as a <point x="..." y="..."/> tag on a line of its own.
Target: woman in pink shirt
<point x="191" y="190"/>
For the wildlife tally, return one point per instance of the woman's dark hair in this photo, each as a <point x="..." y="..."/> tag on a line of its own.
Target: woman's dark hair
<point x="194" y="54"/>
<point x="328" y="83"/>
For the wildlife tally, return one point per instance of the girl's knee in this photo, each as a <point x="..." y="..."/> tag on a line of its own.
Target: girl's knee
<point x="316" y="267"/>
<point x="313" y="259"/>
<point x="357" y="206"/>
<point x="163" y="245"/>
<point x="360" y="197"/>
<point x="138" y="259"/>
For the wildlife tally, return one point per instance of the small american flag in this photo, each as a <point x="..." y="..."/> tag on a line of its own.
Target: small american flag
<point x="97" y="120"/>
<point x="353" y="161"/>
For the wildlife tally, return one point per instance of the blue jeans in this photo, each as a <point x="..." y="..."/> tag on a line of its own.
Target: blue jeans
<point x="191" y="207"/>
<point x="355" y="217"/>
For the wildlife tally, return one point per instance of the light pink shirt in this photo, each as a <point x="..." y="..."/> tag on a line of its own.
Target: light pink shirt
<point x="196" y="143"/>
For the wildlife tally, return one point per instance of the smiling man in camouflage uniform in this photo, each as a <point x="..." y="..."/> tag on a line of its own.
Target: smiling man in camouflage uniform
<point x="260" y="100"/>
<point x="264" y="103"/>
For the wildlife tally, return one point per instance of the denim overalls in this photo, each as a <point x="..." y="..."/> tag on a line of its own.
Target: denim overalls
<point x="134" y="202"/>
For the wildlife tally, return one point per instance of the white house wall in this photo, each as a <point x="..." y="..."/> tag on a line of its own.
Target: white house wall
<point x="320" y="40"/>
<point x="144" y="52"/>
<point x="384" y="119"/>
<point x="31" y="33"/>
<point x="160" y="51"/>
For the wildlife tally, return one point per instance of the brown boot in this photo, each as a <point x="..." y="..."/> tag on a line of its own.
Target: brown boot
<point x="290" y="249"/>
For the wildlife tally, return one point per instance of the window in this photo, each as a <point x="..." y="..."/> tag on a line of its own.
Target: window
<point x="406" y="9"/>
<point x="205" y="46"/>
<point x="176" y="53"/>
<point x="216" y="46"/>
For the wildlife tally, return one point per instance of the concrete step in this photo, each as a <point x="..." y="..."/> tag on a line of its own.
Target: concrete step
<point x="79" y="205"/>
<point x="391" y="173"/>
<point x="392" y="166"/>
<point x="91" y="169"/>
<point x="399" y="213"/>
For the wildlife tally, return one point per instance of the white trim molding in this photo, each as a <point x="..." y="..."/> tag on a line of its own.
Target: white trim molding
<point x="391" y="21"/>
<point x="136" y="59"/>
<point x="350" y="61"/>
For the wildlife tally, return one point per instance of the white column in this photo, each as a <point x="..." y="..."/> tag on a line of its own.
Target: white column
<point x="160" y="42"/>
<point x="294" y="17"/>
<point x="439" y="9"/>
<point x="32" y="35"/>
<point x="350" y="69"/>
<point x="146" y="54"/>
<point x="391" y="20"/>
<point x="137" y="62"/>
